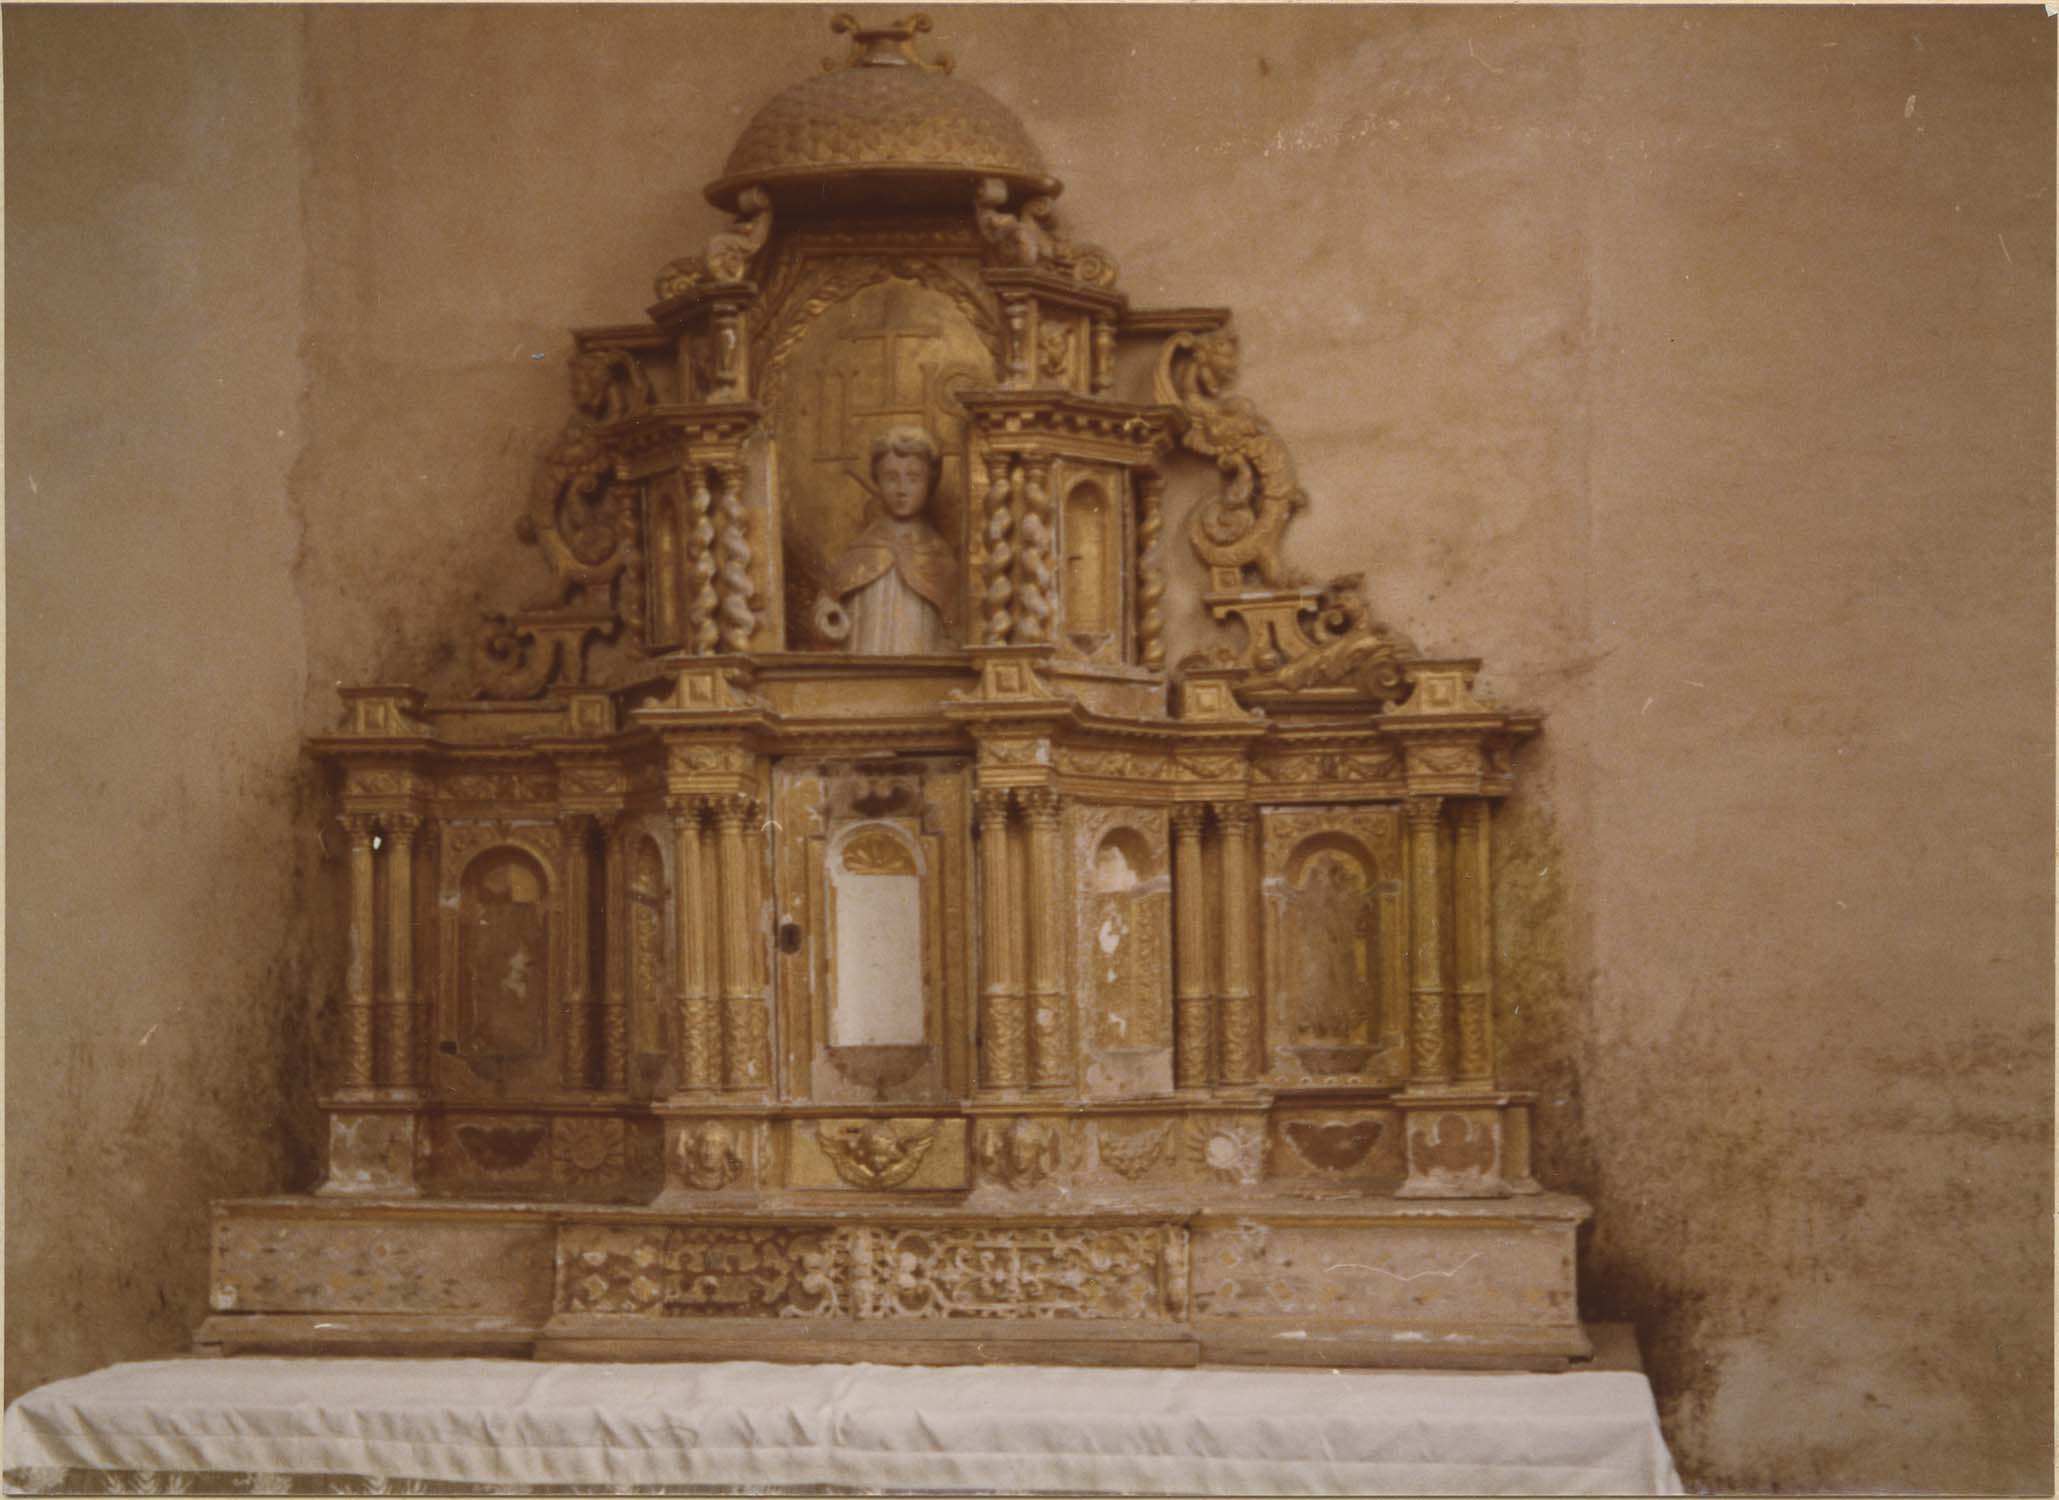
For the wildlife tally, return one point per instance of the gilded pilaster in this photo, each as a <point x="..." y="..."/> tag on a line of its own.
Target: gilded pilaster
<point x="1239" y="1005"/>
<point x="700" y="1044"/>
<point x="746" y="1035"/>
<point x="1002" y="1064"/>
<point x="397" y="1031"/>
<point x="613" y="1019"/>
<point x="575" y="1014"/>
<point x="358" y="1026"/>
<point x="1192" y="1039"/>
<point x="1473" y="944"/>
<point x="1429" y="1060"/>
<point x="1050" y="1035"/>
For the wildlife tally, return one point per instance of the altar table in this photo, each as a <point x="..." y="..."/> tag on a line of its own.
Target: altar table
<point x="424" y="1426"/>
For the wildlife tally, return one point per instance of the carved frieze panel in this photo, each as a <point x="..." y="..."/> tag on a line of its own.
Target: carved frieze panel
<point x="882" y="1271"/>
<point x="873" y="1154"/>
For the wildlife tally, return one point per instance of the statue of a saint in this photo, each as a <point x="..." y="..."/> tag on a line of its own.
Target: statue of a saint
<point x="894" y="592"/>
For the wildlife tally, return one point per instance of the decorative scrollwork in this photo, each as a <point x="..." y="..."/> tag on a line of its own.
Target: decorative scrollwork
<point x="1241" y="527"/>
<point x="1032" y="238"/>
<point x="729" y="253"/>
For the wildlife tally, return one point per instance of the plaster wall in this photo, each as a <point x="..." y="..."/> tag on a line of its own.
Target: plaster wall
<point x="156" y="826"/>
<point x="1690" y="366"/>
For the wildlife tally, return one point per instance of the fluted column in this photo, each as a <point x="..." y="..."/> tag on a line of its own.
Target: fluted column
<point x="575" y="1015"/>
<point x="1001" y="1042"/>
<point x="1429" y="1059"/>
<point x="1239" y="1008"/>
<point x="746" y="1038"/>
<point x="1473" y="944"/>
<point x="1192" y="1026"/>
<point x="700" y="1047"/>
<point x="1050" y="1031"/>
<point x="358" y="1025"/>
<point x="614" y="1007"/>
<point x="397" y="1033"/>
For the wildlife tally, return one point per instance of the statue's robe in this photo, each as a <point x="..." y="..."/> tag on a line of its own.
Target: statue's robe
<point x="899" y="584"/>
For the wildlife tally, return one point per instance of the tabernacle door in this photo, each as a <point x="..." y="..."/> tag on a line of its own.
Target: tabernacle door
<point x="872" y="933"/>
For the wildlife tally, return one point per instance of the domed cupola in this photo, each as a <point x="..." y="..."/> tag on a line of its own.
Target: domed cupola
<point x="881" y="119"/>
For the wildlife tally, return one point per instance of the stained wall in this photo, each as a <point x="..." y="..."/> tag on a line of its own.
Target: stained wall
<point x="1690" y="366"/>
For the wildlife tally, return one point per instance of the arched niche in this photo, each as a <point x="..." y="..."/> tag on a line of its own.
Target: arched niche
<point x="505" y="959"/>
<point x="1092" y="547"/>
<point x="854" y="351"/>
<point x="1125" y="956"/>
<point x="1330" y="960"/>
<point x="878" y="986"/>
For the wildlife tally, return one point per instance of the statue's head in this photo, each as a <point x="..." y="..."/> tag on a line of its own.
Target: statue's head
<point x="905" y="466"/>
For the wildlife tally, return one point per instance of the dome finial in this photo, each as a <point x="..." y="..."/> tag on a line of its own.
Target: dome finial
<point x="888" y="46"/>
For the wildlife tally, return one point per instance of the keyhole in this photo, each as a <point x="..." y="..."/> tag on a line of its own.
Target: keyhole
<point x="789" y="937"/>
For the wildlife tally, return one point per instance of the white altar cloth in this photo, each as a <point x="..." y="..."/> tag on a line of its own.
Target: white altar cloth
<point x="262" y="1425"/>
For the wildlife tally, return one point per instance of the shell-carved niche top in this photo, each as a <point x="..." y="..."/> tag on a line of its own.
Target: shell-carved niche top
<point x="883" y="110"/>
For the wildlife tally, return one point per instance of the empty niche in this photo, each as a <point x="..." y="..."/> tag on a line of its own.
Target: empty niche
<point x="876" y="992"/>
<point x="1331" y="957"/>
<point x="503" y="957"/>
<point x="1125" y="955"/>
<point x="1090" y="593"/>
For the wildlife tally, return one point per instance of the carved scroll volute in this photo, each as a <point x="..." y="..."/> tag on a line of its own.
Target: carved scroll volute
<point x="730" y="252"/>
<point x="1240" y="529"/>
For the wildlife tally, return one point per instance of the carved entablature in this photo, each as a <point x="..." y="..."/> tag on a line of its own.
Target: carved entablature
<point x="883" y="864"/>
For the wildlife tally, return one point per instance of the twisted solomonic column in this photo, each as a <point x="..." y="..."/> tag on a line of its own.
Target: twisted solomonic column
<point x="1000" y="556"/>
